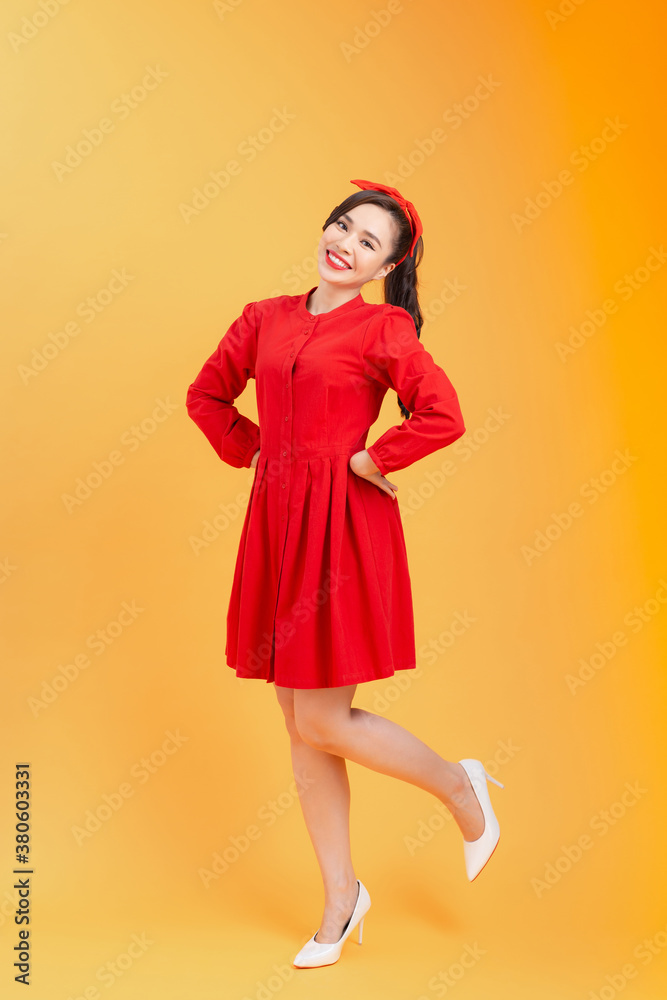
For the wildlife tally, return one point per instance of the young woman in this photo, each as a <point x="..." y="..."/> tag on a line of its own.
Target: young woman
<point x="321" y="598"/>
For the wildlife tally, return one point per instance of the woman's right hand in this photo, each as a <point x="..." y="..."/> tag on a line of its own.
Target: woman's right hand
<point x="254" y="460"/>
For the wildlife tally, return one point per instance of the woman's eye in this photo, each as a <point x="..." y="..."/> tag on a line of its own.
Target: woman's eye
<point x="339" y="222"/>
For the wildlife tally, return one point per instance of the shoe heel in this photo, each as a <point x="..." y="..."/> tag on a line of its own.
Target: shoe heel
<point x="361" y="927"/>
<point x="494" y="780"/>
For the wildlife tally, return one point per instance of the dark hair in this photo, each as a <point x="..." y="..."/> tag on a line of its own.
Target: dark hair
<point x="400" y="285"/>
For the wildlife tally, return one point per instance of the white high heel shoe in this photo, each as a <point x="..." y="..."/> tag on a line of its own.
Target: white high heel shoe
<point x="315" y="953"/>
<point x="477" y="852"/>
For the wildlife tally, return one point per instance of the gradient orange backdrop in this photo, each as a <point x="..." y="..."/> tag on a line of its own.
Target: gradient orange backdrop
<point x="530" y="138"/>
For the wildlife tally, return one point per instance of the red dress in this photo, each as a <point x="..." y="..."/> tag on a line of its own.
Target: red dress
<point x="321" y="593"/>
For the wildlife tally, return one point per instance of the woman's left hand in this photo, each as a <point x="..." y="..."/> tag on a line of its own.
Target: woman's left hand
<point x="363" y="465"/>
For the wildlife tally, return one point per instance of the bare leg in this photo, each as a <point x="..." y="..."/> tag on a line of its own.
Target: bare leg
<point x="324" y="794"/>
<point x="325" y="720"/>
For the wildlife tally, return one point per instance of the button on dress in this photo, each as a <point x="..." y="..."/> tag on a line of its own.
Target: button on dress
<point x="321" y="591"/>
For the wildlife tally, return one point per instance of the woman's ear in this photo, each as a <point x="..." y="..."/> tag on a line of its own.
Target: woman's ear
<point x="384" y="271"/>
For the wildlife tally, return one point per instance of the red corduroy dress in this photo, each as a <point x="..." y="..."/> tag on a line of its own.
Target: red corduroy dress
<point x="321" y="593"/>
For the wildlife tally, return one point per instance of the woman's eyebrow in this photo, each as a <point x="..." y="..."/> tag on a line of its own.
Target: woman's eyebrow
<point x="366" y="231"/>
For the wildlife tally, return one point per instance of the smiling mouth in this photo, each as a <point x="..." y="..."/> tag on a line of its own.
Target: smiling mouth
<point x="338" y="261"/>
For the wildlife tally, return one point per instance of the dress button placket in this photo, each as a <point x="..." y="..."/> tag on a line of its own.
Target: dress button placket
<point x="285" y="466"/>
<point x="288" y="371"/>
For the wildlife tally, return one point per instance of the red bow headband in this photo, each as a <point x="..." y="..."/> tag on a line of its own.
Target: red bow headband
<point x="407" y="206"/>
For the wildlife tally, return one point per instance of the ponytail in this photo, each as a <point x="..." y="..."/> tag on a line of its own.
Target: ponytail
<point x="400" y="289"/>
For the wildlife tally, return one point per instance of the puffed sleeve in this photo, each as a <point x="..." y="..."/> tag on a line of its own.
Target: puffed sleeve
<point x="211" y="396"/>
<point x="393" y="355"/>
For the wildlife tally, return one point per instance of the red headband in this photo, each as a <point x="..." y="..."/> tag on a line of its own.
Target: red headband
<point x="407" y="206"/>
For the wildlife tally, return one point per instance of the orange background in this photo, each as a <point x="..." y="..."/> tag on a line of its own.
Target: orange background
<point x="365" y="100"/>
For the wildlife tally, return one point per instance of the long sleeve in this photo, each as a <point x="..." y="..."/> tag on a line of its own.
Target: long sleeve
<point x="211" y="396"/>
<point x="393" y="355"/>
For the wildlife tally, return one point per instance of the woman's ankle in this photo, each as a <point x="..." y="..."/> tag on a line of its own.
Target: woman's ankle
<point x="342" y="886"/>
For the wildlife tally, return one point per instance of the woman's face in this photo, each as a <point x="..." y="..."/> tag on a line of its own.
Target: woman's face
<point x="362" y="238"/>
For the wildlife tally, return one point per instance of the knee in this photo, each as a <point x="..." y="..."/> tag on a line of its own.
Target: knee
<point x="316" y="730"/>
<point x="290" y="724"/>
<point x="286" y="700"/>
